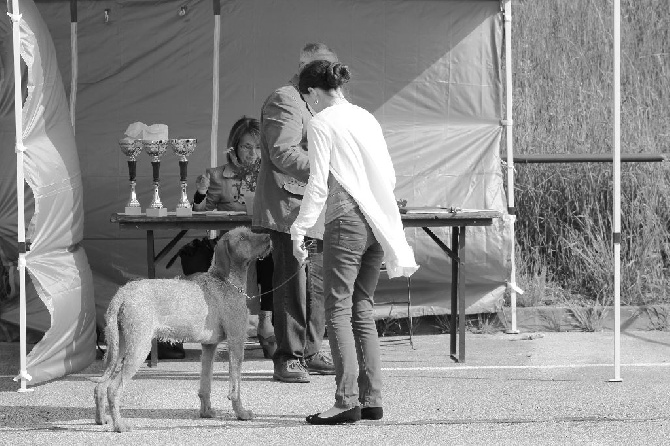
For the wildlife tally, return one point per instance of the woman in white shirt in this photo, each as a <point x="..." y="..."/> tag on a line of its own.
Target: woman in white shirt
<point x="351" y="181"/>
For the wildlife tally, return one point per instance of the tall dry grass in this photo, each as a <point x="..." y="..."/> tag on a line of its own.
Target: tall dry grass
<point x="563" y="72"/>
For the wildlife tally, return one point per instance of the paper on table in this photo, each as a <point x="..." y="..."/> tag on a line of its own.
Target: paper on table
<point x="427" y="210"/>
<point x="225" y="213"/>
<point x="436" y="210"/>
<point x="153" y="132"/>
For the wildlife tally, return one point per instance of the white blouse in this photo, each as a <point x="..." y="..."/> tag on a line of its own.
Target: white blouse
<point x="348" y="142"/>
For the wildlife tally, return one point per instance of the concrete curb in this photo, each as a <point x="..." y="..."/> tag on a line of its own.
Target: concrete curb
<point x="651" y="317"/>
<point x="537" y="319"/>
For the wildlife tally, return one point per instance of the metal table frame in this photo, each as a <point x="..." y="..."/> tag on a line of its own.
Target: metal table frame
<point x="458" y="221"/>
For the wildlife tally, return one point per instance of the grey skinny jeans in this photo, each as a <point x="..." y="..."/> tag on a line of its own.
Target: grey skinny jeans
<point x="351" y="261"/>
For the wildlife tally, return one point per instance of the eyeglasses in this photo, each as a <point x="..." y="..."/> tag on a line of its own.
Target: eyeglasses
<point x="249" y="147"/>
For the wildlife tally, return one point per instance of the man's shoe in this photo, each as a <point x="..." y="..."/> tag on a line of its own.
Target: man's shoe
<point x="372" y="413"/>
<point x="291" y="371"/>
<point x="320" y="364"/>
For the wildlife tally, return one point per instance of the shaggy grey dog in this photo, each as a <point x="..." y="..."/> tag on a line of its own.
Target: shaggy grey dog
<point x="205" y="308"/>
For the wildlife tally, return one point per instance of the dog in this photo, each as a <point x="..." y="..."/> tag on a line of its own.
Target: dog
<point x="204" y="307"/>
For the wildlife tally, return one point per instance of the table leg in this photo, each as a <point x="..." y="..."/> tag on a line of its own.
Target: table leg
<point x="151" y="265"/>
<point x="454" y="295"/>
<point x="461" y="297"/>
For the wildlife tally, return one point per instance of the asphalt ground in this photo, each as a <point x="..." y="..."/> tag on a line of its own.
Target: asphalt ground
<point x="542" y="388"/>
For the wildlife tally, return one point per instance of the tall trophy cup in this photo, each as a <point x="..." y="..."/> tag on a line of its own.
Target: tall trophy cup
<point x="132" y="148"/>
<point x="183" y="148"/>
<point x="156" y="149"/>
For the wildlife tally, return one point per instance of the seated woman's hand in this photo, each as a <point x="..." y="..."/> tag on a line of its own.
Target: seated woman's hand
<point x="202" y="184"/>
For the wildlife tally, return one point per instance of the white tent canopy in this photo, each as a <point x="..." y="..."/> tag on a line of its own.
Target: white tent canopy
<point x="429" y="70"/>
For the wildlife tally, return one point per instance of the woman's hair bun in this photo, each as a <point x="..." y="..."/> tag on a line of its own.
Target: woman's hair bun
<point x="323" y="74"/>
<point x="337" y="75"/>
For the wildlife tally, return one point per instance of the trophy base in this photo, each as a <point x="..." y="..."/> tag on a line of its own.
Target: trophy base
<point x="157" y="212"/>
<point x="183" y="212"/>
<point x="133" y="210"/>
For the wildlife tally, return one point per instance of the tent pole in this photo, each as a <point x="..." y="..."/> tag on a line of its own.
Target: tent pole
<point x="215" y="91"/>
<point x="74" y="58"/>
<point x="508" y="123"/>
<point x="215" y="83"/>
<point x="616" y="233"/>
<point x="18" y="119"/>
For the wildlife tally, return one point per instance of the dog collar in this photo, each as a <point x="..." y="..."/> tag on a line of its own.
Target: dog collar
<point x="238" y="289"/>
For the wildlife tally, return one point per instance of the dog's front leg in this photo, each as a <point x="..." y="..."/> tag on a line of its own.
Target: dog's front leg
<point x="235" y="358"/>
<point x="206" y="368"/>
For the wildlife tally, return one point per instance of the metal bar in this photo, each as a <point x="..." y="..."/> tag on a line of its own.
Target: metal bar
<point x="170" y="245"/>
<point x="214" y="135"/>
<point x="15" y="16"/>
<point x="461" y="299"/>
<point x="509" y="127"/>
<point x="151" y="267"/>
<point x="441" y="244"/>
<point x="74" y="63"/>
<point x="616" y="164"/>
<point x="409" y="311"/>
<point x="589" y="158"/>
<point x="454" y="297"/>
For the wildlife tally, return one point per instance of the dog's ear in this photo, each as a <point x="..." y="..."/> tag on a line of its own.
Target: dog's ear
<point x="221" y="260"/>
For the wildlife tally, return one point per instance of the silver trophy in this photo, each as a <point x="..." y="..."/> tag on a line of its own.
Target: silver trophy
<point x="183" y="147"/>
<point x="156" y="149"/>
<point x="132" y="148"/>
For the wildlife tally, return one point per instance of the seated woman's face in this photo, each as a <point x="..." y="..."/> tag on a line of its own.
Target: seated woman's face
<point x="249" y="148"/>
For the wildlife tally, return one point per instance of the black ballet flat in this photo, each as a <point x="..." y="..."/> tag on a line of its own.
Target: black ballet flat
<point x="348" y="416"/>
<point x="372" y="413"/>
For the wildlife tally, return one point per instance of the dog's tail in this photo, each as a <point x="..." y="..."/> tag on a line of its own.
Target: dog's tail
<point x="111" y="338"/>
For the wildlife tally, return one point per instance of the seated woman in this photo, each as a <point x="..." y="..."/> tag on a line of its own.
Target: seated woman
<point x="222" y="188"/>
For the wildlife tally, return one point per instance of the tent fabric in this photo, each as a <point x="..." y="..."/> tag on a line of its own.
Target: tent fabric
<point x="428" y="70"/>
<point x="59" y="271"/>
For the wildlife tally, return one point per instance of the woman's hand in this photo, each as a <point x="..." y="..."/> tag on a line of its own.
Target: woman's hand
<point x="202" y="184"/>
<point x="299" y="250"/>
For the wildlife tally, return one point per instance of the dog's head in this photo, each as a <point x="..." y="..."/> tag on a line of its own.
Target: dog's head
<point x="239" y="247"/>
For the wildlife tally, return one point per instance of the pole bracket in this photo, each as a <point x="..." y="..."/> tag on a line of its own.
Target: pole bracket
<point x="507" y="122"/>
<point x="616" y="238"/>
<point x="505" y="8"/>
<point x="514" y="287"/>
<point x="23" y="374"/>
<point x="15" y="17"/>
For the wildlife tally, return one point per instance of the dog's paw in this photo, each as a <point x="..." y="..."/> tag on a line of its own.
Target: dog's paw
<point x="121" y="426"/>
<point x="208" y="413"/>
<point x="105" y="419"/>
<point x="244" y="415"/>
<point x="100" y="420"/>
